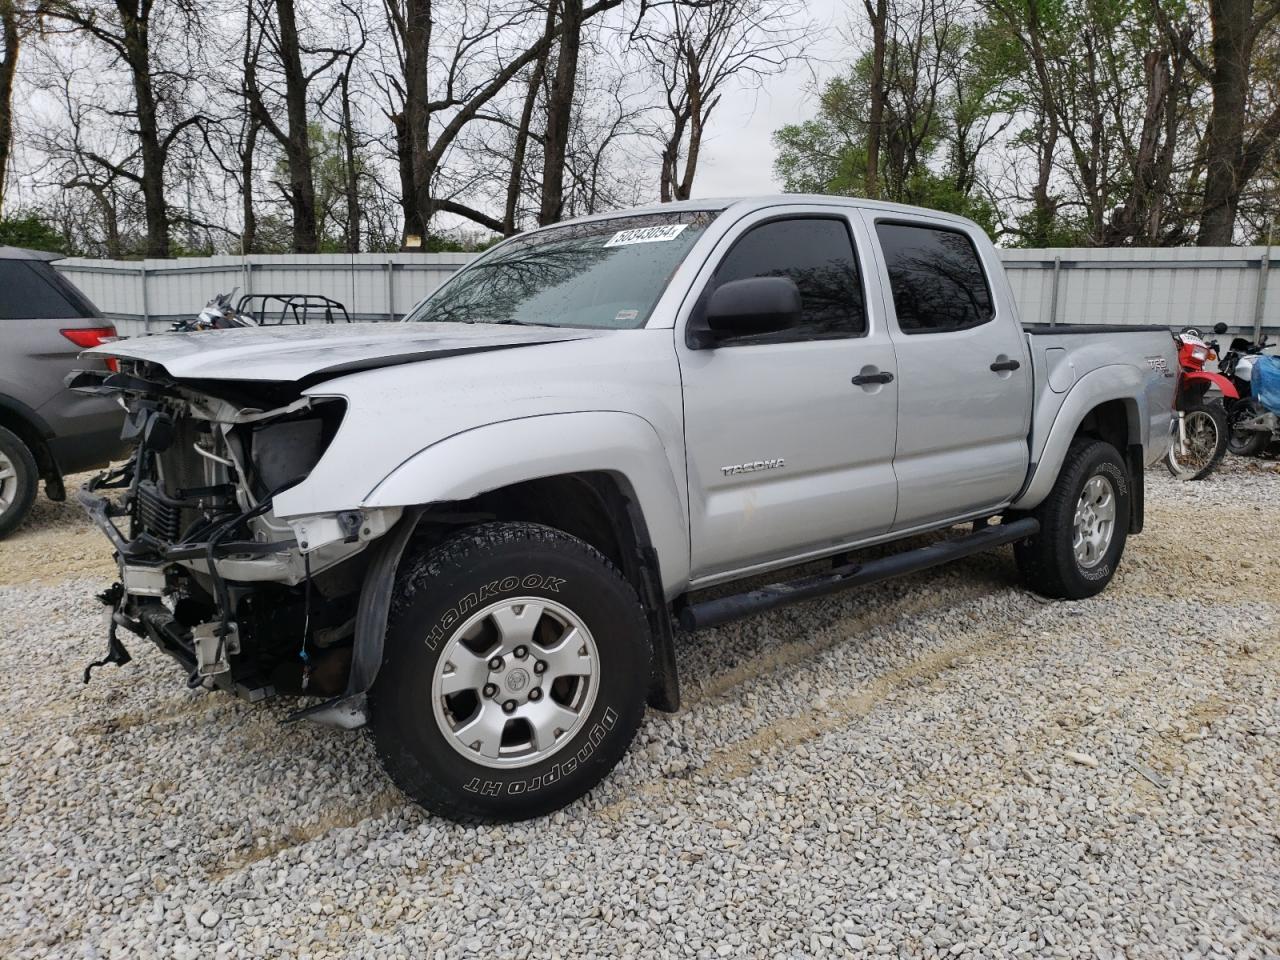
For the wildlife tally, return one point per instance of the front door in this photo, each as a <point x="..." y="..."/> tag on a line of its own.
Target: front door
<point x="787" y="455"/>
<point x="964" y="394"/>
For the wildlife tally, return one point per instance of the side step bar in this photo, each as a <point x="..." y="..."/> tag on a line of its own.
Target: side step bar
<point x="710" y="613"/>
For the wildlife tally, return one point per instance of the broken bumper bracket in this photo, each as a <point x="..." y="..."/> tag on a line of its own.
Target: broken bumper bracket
<point x="116" y="652"/>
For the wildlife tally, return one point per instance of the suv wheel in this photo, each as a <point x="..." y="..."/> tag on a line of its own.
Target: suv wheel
<point x="17" y="481"/>
<point x="514" y="673"/>
<point x="1084" y="522"/>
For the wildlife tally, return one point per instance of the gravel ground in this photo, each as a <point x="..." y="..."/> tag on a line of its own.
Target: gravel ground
<point x="945" y="765"/>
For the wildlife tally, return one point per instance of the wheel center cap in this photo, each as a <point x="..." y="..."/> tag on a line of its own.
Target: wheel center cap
<point x="517" y="679"/>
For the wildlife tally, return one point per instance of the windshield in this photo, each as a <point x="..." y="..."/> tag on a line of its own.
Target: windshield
<point x="605" y="274"/>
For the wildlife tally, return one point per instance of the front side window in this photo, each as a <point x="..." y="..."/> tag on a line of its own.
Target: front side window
<point x="936" y="278"/>
<point x="817" y="254"/>
<point x="601" y="274"/>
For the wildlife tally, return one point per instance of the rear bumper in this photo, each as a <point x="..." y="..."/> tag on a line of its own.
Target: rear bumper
<point x="88" y="451"/>
<point x="86" y="431"/>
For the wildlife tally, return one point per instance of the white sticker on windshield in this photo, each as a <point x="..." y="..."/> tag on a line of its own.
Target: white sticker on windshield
<point x="646" y="235"/>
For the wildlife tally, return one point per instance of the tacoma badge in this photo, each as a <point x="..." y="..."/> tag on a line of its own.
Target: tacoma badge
<point x="754" y="466"/>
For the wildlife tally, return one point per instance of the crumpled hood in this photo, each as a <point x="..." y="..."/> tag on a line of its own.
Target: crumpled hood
<point x="288" y="354"/>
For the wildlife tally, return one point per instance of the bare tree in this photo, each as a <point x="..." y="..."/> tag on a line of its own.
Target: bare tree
<point x="429" y="117"/>
<point x="95" y="205"/>
<point x="289" y="82"/>
<point x="130" y="30"/>
<point x="12" y="27"/>
<point x="698" y="50"/>
<point x="560" y="110"/>
<point x="342" y="91"/>
<point x="520" y="143"/>
<point x="1141" y="217"/>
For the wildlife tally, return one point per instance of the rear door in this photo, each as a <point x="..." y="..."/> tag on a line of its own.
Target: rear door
<point x="786" y="454"/>
<point x="964" y="388"/>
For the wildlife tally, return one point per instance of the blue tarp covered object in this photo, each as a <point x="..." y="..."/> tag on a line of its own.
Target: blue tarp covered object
<point x="1266" y="382"/>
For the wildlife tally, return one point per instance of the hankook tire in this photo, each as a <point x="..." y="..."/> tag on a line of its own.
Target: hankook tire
<point x="1084" y="522"/>
<point x="514" y="673"/>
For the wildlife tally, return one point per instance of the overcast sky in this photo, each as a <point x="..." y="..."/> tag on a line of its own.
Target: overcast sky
<point x="737" y="158"/>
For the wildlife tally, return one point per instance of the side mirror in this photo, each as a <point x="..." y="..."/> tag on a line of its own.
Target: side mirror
<point x="750" y="306"/>
<point x="1219" y="328"/>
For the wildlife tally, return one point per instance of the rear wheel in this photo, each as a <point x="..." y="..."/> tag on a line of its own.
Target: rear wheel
<point x="1201" y="444"/>
<point x="1245" y="443"/>
<point x="1084" y="522"/>
<point x="18" y="475"/>
<point x="514" y="674"/>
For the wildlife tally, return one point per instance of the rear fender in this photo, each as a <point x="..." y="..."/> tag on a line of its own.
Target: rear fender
<point x="1200" y="381"/>
<point x="1115" y="382"/>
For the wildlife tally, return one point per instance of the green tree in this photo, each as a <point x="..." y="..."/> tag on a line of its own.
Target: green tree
<point x="937" y="117"/>
<point x="30" y="232"/>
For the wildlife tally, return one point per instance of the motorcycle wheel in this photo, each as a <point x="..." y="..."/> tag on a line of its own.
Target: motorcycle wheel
<point x="1205" y="427"/>
<point x="1244" y="443"/>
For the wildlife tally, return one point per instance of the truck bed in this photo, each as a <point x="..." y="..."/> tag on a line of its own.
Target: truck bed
<point x="1078" y="328"/>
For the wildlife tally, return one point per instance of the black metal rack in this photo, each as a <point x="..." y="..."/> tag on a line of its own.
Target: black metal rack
<point x="298" y="308"/>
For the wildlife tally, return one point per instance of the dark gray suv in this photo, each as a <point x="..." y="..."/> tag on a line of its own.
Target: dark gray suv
<point x="46" y="431"/>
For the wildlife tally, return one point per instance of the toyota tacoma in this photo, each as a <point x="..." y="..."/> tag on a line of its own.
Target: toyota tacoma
<point x="479" y="531"/>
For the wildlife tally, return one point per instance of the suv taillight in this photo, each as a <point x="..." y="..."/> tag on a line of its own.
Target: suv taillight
<point x="86" y="337"/>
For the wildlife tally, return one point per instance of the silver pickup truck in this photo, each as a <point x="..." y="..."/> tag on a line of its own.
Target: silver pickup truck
<point x="478" y="531"/>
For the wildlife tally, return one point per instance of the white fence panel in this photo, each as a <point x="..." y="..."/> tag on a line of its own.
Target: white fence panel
<point x="1172" y="286"/>
<point x="1175" y="287"/>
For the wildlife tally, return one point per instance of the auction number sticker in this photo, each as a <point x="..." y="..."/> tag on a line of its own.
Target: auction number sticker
<point x="646" y="235"/>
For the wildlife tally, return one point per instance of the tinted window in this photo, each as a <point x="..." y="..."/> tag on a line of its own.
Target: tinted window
<point x="817" y="254"/>
<point x="32" y="290"/>
<point x="936" y="278"/>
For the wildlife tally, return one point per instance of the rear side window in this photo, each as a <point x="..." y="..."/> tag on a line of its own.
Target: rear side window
<point x="817" y="254"/>
<point x="32" y="290"/>
<point x="936" y="278"/>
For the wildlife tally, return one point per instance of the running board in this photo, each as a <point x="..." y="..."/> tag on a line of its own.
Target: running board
<point x="710" y="613"/>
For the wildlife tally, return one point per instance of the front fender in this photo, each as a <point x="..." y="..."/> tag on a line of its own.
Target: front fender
<point x="1113" y="382"/>
<point x="486" y="458"/>
<point x="1203" y="377"/>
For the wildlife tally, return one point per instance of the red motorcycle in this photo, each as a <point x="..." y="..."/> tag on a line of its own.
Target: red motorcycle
<point x="1200" y="433"/>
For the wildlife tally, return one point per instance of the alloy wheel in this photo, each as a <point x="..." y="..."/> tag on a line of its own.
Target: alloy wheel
<point x="515" y="682"/>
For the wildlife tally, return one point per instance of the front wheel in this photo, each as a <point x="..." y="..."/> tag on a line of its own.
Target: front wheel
<point x="1199" y="441"/>
<point x="514" y="674"/>
<point x="1084" y="522"/>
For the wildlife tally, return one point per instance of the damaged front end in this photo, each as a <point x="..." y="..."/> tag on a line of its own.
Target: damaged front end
<point x="244" y="599"/>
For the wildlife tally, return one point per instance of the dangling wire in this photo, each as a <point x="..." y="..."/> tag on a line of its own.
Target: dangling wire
<point x="306" y="622"/>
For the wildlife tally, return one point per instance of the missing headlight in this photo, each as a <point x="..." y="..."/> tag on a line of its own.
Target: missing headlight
<point x="284" y="452"/>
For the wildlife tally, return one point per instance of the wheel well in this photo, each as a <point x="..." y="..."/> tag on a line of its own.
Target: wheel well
<point x="29" y="434"/>
<point x="598" y="508"/>
<point x="1109" y="421"/>
<point x="1115" y="422"/>
<point x="578" y="503"/>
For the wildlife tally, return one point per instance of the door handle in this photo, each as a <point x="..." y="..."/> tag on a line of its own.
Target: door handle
<point x="863" y="379"/>
<point x="1001" y="365"/>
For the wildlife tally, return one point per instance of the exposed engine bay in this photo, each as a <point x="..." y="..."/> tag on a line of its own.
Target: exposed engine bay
<point x="245" y="600"/>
